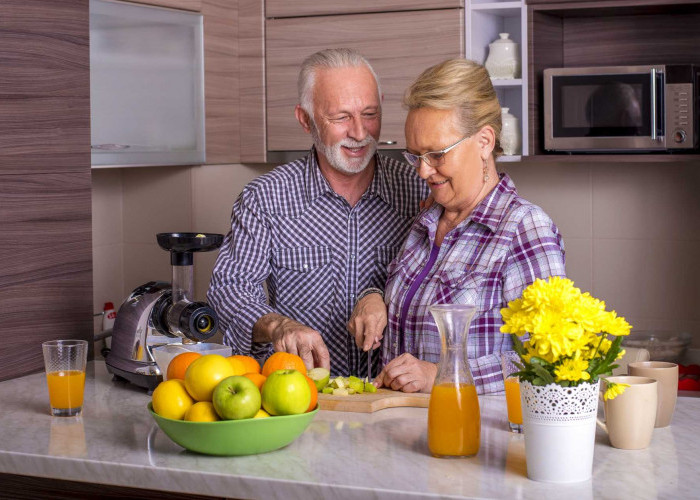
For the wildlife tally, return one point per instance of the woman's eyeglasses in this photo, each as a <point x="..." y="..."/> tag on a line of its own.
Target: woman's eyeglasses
<point x="431" y="158"/>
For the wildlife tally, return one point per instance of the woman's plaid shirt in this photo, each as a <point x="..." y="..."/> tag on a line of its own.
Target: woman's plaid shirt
<point x="502" y="247"/>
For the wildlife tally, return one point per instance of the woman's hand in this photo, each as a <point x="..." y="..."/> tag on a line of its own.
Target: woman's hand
<point x="407" y="374"/>
<point x="368" y="321"/>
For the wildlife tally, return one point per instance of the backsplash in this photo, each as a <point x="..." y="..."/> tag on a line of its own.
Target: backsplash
<point x="631" y="230"/>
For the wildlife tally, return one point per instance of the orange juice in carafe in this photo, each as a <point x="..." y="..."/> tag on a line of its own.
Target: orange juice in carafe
<point x="454" y="421"/>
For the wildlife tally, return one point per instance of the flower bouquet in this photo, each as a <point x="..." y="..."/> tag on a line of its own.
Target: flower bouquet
<point x="572" y="341"/>
<point x="572" y="338"/>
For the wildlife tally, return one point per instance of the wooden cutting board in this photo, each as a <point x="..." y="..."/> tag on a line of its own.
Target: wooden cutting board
<point x="368" y="403"/>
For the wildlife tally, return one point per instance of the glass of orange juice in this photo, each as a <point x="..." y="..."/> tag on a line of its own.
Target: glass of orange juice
<point x="512" y="385"/>
<point x="64" y="361"/>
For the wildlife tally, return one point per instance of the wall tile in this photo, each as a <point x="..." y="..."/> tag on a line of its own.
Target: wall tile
<point x="648" y="201"/>
<point x="563" y="191"/>
<point x="579" y="262"/>
<point x="144" y="262"/>
<point x="107" y="197"/>
<point x="156" y="200"/>
<point x="648" y="279"/>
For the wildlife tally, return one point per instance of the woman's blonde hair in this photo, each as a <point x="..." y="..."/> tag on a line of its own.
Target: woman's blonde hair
<point x="461" y="85"/>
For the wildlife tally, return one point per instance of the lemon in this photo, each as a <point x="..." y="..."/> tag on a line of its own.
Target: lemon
<point x="171" y="399"/>
<point x="261" y="414"/>
<point x="205" y="373"/>
<point x="202" y="411"/>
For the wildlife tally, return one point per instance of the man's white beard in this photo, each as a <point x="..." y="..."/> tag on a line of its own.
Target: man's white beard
<point x="336" y="158"/>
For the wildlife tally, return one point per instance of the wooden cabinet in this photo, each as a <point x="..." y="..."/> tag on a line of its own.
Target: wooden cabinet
<point x="400" y="45"/>
<point x="298" y="8"/>
<point x="195" y="5"/>
<point x="45" y="203"/>
<point x="607" y="33"/>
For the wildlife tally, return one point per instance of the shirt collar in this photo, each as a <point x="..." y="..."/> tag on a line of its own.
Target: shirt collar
<point x="317" y="185"/>
<point x="488" y="212"/>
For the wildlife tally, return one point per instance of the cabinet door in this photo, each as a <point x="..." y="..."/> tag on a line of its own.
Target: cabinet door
<point x="285" y="8"/>
<point x="399" y="45"/>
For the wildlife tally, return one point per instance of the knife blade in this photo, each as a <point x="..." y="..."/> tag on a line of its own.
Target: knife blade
<point x="369" y="365"/>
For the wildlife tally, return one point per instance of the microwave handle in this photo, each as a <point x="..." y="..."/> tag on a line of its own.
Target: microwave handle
<point x="654" y="90"/>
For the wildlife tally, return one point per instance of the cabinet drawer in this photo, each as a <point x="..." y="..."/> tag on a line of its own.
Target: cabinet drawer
<point x="285" y="8"/>
<point x="400" y="45"/>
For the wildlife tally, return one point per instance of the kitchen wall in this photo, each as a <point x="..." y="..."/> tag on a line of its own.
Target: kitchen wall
<point x="631" y="231"/>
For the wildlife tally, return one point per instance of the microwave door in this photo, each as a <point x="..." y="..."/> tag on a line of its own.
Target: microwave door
<point x="605" y="112"/>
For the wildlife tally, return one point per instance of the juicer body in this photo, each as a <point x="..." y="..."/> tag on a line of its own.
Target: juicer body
<point x="137" y="328"/>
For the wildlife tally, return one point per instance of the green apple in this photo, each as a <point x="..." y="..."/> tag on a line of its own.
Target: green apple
<point x="320" y="376"/>
<point x="370" y="387"/>
<point x="235" y="398"/>
<point x="286" y="392"/>
<point x="356" y="384"/>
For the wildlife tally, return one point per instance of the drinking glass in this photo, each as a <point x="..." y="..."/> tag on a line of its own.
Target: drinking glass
<point x="512" y="385"/>
<point x="64" y="361"/>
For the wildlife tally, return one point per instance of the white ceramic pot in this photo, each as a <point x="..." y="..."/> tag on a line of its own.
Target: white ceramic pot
<point x="503" y="61"/>
<point x="511" y="140"/>
<point x="559" y="425"/>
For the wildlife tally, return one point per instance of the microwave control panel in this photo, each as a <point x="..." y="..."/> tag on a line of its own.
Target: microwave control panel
<point x="680" y="133"/>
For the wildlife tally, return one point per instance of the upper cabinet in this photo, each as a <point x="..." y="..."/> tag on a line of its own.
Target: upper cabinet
<point x="298" y="8"/>
<point x="146" y="85"/>
<point x="400" y="45"/>
<point x="606" y="33"/>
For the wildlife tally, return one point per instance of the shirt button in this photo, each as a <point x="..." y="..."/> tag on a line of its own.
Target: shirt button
<point x="306" y="266"/>
<point x="352" y="256"/>
<point x="352" y="295"/>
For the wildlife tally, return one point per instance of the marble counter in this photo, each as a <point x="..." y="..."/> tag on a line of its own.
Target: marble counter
<point x="341" y="455"/>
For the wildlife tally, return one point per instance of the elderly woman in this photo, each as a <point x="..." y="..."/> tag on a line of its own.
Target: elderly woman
<point x="479" y="243"/>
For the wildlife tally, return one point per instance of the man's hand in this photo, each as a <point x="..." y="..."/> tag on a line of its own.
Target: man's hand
<point x="291" y="336"/>
<point x="408" y="374"/>
<point x="368" y="321"/>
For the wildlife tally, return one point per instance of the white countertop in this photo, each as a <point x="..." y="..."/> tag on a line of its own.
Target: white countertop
<point x="341" y="455"/>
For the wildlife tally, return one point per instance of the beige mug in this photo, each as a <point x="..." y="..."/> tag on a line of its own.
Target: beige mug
<point x="630" y="417"/>
<point x="667" y="376"/>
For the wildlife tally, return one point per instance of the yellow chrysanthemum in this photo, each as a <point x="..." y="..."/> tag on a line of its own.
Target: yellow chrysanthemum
<point x="566" y="327"/>
<point x="572" y="369"/>
<point x="614" y="390"/>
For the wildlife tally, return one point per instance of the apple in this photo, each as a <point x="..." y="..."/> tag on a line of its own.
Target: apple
<point x="286" y="392"/>
<point x="235" y="398"/>
<point x="320" y="376"/>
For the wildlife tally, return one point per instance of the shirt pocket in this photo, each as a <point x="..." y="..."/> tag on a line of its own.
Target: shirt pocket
<point x="383" y="255"/>
<point x="302" y="275"/>
<point x="462" y="287"/>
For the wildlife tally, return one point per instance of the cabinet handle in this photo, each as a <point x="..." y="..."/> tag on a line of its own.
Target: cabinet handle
<point x="386" y="143"/>
<point x="653" y="104"/>
<point x="110" y="147"/>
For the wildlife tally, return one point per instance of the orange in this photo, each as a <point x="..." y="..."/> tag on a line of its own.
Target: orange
<point x="314" y="394"/>
<point x="239" y="368"/>
<point x="283" y="361"/>
<point x="251" y="364"/>
<point x="257" y="378"/>
<point x="178" y="365"/>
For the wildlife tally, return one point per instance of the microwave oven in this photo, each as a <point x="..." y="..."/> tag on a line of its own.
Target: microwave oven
<point x="622" y="108"/>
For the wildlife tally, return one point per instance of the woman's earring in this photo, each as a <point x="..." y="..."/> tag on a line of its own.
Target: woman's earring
<point x="486" y="175"/>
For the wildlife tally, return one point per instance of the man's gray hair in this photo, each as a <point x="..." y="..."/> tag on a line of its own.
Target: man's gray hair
<point x="328" y="59"/>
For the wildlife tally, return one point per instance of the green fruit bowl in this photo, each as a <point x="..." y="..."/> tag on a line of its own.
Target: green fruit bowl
<point x="235" y="437"/>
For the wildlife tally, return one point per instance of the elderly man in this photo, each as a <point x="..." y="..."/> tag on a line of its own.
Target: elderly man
<point x="318" y="230"/>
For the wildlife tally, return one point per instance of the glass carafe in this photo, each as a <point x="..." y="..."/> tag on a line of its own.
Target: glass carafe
<point x="454" y="420"/>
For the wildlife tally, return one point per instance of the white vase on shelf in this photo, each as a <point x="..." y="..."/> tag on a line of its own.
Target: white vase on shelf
<point x="503" y="62"/>
<point x="511" y="140"/>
